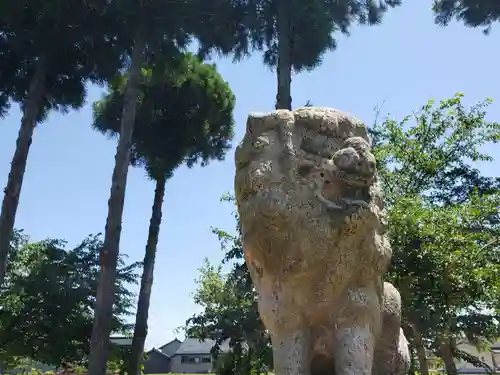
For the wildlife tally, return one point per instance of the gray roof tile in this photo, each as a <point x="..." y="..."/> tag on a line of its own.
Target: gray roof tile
<point x="195" y="346"/>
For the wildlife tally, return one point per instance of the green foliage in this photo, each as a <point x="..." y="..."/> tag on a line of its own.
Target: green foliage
<point x="240" y="362"/>
<point x="168" y="25"/>
<point x="229" y="303"/>
<point x="443" y="218"/>
<point x="230" y="310"/>
<point x="293" y="35"/>
<point x="473" y="13"/>
<point x="94" y="40"/>
<point x="312" y="27"/>
<point x="4" y="104"/>
<point x="73" y="41"/>
<point x="446" y="274"/>
<point x="162" y="23"/>
<point x="435" y="157"/>
<point x="185" y="115"/>
<point x="48" y="300"/>
<point x="118" y="359"/>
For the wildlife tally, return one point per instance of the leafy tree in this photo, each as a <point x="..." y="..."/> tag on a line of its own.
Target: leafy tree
<point x="294" y="34"/>
<point x="48" y="300"/>
<point x="185" y="116"/>
<point x="443" y="224"/>
<point x="449" y="287"/>
<point x="7" y="360"/>
<point x="230" y="313"/>
<point x="473" y="13"/>
<point x="48" y="51"/>
<point x="230" y="310"/>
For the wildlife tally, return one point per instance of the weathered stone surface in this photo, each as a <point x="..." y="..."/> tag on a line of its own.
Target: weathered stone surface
<point x="313" y="230"/>
<point x="391" y="350"/>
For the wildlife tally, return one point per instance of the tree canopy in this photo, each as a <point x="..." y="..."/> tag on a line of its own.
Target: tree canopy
<point x="293" y="35"/>
<point x="185" y="115"/>
<point x="48" y="299"/>
<point x="312" y="31"/>
<point x="443" y="222"/>
<point x="82" y="31"/>
<point x="473" y="13"/>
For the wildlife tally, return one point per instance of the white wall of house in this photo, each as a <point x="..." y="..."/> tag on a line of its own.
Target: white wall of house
<point x="487" y="356"/>
<point x="495" y="353"/>
<point x="191" y="363"/>
<point x="484" y="356"/>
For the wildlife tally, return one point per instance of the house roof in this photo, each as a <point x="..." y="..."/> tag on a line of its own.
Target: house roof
<point x="495" y="346"/>
<point x="121" y="340"/>
<point x="472" y="371"/>
<point x="170" y="342"/>
<point x="170" y="347"/>
<point x="195" y="346"/>
<point x="159" y="352"/>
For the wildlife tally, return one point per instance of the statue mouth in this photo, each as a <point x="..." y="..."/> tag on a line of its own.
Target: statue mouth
<point x="357" y="179"/>
<point x="341" y="204"/>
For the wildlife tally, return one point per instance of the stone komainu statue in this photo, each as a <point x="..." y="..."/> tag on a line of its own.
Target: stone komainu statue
<point x="314" y="240"/>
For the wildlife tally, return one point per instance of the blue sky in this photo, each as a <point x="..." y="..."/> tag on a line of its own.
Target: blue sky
<point x="403" y="62"/>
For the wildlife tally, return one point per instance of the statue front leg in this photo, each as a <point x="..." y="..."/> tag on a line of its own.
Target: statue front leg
<point x="291" y="352"/>
<point x="357" y="327"/>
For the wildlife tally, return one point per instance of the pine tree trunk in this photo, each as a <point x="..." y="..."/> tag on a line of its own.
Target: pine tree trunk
<point x="12" y="192"/>
<point x="141" y="319"/>
<point x="110" y="250"/>
<point x="284" y="67"/>
<point x="413" y="360"/>
<point x="446" y="355"/>
<point x="420" y="348"/>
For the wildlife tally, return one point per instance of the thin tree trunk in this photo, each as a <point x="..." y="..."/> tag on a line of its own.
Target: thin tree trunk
<point x="446" y="355"/>
<point x="141" y="318"/>
<point x="420" y="348"/>
<point x="12" y="192"/>
<point x="413" y="362"/>
<point x="284" y="67"/>
<point x="110" y="250"/>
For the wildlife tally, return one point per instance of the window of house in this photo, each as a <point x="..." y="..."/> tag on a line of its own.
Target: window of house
<point x="495" y="354"/>
<point x="188" y="359"/>
<point x="191" y="359"/>
<point x="206" y="360"/>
